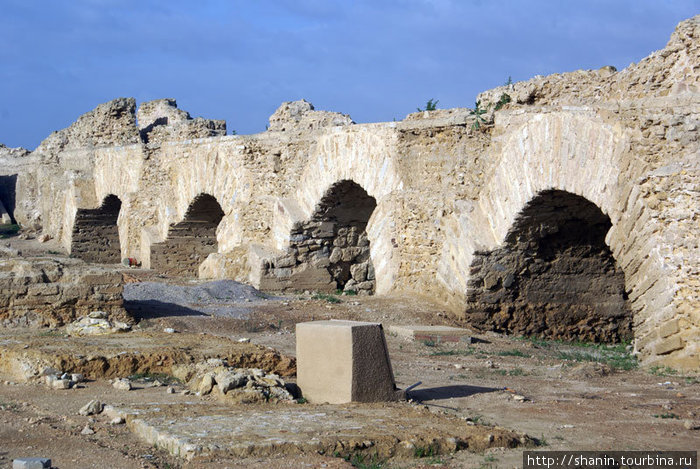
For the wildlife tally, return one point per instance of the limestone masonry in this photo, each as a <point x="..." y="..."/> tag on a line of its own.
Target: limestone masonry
<point x="573" y="211"/>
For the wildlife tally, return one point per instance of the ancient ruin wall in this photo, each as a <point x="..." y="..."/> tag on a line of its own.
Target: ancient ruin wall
<point x="446" y="193"/>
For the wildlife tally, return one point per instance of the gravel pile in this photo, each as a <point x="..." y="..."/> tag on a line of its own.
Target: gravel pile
<point x="217" y="298"/>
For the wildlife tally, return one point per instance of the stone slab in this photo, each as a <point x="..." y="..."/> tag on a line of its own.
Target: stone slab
<point x="432" y="333"/>
<point x="197" y="428"/>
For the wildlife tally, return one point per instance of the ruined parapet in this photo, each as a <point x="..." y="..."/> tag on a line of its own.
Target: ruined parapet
<point x="45" y="292"/>
<point x="160" y="120"/>
<point x="667" y="72"/>
<point x="109" y="124"/>
<point x="300" y="116"/>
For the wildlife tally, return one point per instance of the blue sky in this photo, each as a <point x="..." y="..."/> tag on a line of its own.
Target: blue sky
<point x="238" y="60"/>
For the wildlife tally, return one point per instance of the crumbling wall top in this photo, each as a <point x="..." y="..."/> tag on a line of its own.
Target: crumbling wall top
<point x="109" y="124"/>
<point x="301" y="116"/>
<point x="160" y="120"/>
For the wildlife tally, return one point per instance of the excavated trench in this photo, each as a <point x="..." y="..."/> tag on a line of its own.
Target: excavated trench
<point x="554" y="276"/>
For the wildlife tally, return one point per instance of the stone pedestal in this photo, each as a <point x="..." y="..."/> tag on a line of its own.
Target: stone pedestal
<point x="344" y="361"/>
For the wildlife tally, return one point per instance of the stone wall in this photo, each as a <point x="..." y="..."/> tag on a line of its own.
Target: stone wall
<point x="554" y="276"/>
<point x="189" y="242"/>
<point x="48" y="292"/>
<point x="331" y="251"/>
<point x="448" y="197"/>
<point x="95" y="233"/>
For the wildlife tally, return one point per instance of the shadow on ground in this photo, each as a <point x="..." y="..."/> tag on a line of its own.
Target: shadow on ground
<point x="150" y="309"/>
<point x="447" y="392"/>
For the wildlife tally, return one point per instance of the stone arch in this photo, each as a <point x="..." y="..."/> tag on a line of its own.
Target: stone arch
<point x="95" y="236"/>
<point x="189" y="242"/>
<point x="331" y="249"/>
<point x="554" y="276"/>
<point x="570" y="151"/>
<point x="366" y="157"/>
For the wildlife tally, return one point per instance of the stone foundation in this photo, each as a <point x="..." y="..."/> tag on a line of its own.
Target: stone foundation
<point x="42" y="292"/>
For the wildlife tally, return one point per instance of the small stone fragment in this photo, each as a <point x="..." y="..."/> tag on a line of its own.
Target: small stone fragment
<point x="117" y="421"/>
<point x="206" y="385"/>
<point x="169" y="330"/>
<point x="123" y="384"/>
<point x="87" y="430"/>
<point x="77" y="377"/>
<point x="60" y="384"/>
<point x="170" y="390"/>
<point x="91" y="408"/>
<point x="31" y="463"/>
<point x="690" y="425"/>
<point x="244" y="340"/>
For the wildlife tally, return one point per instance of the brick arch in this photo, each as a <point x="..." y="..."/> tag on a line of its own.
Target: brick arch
<point x="577" y="154"/>
<point x="95" y="234"/>
<point x="190" y="241"/>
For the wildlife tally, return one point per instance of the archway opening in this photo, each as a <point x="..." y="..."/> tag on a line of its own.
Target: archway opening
<point x="190" y="241"/>
<point x="553" y="277"/>
<point x="8" y="195"/>
<point x="330" y="251"/>
<point x="96" y="234"/>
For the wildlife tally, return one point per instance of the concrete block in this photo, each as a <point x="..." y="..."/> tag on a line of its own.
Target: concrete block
<point x="31" y="463"/>
<point x="344" y="361"/>
<point x="433" y="333"/>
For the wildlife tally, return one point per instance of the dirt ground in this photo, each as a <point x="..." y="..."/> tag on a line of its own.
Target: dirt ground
<point x="570" y="401"/>
<point x="564" y="396"/>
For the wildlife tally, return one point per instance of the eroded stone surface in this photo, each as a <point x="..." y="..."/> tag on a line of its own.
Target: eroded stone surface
<point x="386" y="430"/>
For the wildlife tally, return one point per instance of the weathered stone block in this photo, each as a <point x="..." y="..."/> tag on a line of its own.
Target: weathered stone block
<point x="344" y="361"/>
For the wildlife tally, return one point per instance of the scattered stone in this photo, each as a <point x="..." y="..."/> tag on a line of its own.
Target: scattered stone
<point x="87" y="430"/>
<point x="56" y="383"/>
<point x="117" y="421"/>
<point x="77" y="377"/>
<point x="91" y="408"/>
<point x="44" y="238"/>
<point x="169" y="330"/>
<point x="31" y="463"/>
<point x="691" y="425"/>
<point x="244" y="340"/>
<point x="239" y="385"/>
<point x="206" y="385"/>
<point x="96" y="323"/>
<point x="170" y="390"/>
<point x="590" y="370"/>
<point x="519" y="398"/>
<point x="123" y="384"/>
